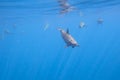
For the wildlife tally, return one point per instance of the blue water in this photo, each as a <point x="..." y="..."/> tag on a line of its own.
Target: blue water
<point x="32" y="51"/>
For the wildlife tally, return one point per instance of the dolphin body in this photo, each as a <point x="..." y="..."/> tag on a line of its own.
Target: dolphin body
<point x="69" y="40"/>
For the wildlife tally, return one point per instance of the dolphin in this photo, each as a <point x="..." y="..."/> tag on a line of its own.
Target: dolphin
<point x="65" y="6"/>
<point x="82" y="24"/>
<point x="100" y="21"/>
<point x="69" y="40"/>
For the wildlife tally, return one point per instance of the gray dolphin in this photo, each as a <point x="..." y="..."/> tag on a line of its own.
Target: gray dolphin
<point x="69" y="40"/>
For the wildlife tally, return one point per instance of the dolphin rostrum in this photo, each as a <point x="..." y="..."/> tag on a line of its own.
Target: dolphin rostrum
<point x="69" y="40"/>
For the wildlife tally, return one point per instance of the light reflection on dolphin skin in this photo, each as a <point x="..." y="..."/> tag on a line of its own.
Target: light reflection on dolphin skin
<point x="69" y="40"/>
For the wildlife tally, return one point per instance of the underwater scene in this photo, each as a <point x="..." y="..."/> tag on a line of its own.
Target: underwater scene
<point x="59" y="39"/>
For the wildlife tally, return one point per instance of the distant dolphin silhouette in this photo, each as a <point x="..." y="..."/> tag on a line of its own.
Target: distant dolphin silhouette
<point x="69" y="40"/>
<point x="65" y="6"/>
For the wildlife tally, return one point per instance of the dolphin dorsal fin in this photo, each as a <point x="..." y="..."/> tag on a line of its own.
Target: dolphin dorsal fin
<point x="67" y="31"/>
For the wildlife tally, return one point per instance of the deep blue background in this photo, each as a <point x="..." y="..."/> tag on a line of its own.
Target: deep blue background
<point x="32" y="52"/>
